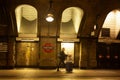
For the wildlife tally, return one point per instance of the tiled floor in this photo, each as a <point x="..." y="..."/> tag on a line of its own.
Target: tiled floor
<point x="77" y="74"/>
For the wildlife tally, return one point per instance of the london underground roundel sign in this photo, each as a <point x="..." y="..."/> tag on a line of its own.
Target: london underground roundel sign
<point x="48" y="47"/>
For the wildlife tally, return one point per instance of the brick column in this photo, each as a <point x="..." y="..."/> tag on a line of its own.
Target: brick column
<point x="11" y="53"/>
<point x="88" y="53"/>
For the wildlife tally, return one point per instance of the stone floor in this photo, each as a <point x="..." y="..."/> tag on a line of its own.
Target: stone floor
<point x="77" y="74"/>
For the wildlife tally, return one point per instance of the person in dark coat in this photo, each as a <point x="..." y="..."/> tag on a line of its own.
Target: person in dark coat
<point x="62" y="56"/>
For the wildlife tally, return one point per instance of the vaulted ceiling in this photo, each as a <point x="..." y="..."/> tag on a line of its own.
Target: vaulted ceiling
<point x="95" y="12"/>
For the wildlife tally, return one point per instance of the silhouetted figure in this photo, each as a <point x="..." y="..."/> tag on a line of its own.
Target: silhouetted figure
<point x="62" y="56"/>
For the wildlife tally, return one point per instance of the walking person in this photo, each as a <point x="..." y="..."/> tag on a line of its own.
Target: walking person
<point x="62" y="56"/>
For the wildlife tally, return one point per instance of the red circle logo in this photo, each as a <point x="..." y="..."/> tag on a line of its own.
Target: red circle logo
<point x="48" y="47"/>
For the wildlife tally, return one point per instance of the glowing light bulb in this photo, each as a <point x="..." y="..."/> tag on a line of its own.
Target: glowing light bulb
<point x="50" y="18"/>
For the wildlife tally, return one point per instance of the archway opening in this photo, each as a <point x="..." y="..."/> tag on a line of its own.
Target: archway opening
<point x="70" y="22"/>
<point x="26" y="19"/>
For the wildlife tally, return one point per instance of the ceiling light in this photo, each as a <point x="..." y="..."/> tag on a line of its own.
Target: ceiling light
<point x="50" y="16"/>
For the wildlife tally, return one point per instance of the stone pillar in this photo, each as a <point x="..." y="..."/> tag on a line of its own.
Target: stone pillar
<point x="11" y="53"/>
<point x="88" y="53"/>
<point x="48" y="53"/>
<point x="92" y="53"/>
<point x="76" y="54"/>
<point x="83" y="54"/>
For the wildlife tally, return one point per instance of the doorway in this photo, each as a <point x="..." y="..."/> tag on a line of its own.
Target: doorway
<point x="69" y="48"/>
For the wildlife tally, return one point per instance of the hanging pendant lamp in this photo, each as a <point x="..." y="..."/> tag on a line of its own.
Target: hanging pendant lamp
<point x="50" y="16"/>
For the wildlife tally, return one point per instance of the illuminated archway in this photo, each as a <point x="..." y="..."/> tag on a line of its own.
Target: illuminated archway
<point x="111" y="26"/>
<point x="26" y="18"/>
<point x="70" y="22"/>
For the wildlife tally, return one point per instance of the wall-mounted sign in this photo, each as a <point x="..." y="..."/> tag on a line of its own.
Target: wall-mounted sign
<point x="48" y="47"/>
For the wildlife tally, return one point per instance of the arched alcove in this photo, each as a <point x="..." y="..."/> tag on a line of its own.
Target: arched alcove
<point x="26" y="19"/>
<point x="111" y="27"/>
<point x="70" y="22"/>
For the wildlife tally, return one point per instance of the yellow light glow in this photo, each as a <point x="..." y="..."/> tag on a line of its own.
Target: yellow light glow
<point x="69" y="48"/>
<point x="18" y="17"/>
